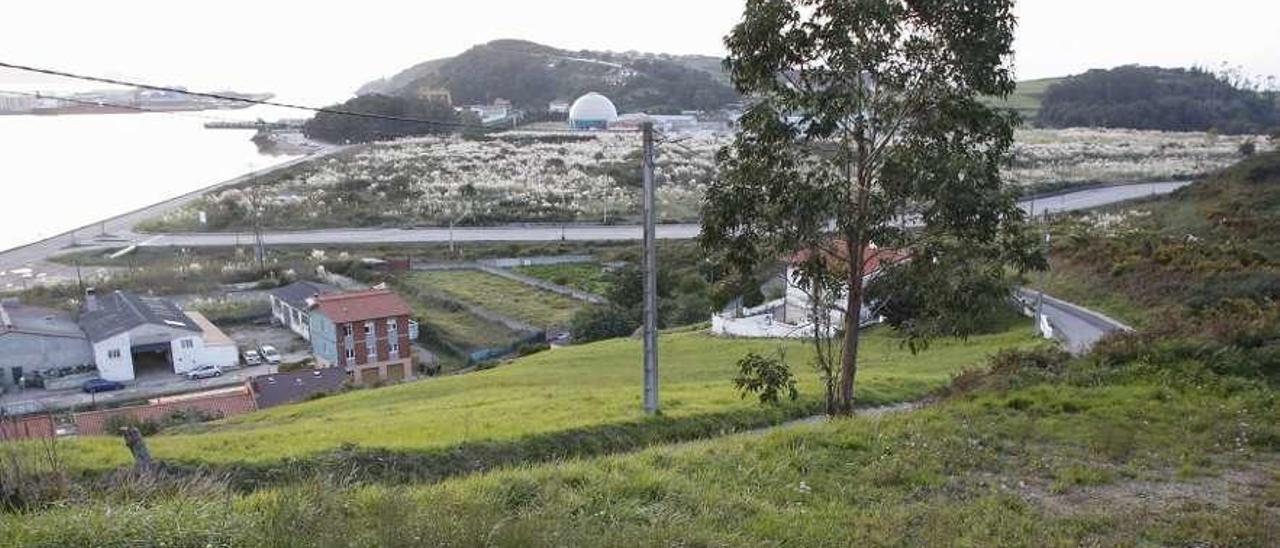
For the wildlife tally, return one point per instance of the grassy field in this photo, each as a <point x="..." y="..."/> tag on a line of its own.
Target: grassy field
<point x="1094" y="455"/>
<point x="503" y="296"/>
<point x="578" y="387"/>
<point x="589" y="277"/>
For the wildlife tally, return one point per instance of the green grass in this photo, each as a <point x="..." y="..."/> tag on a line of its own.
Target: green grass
<point x="589" y="277"/>
<point x="1025" y="100"/>
<point x="1080" y="460"/>
<point x="460" y="328"/>
<point x="570" y="389"/>
<point x="501" y="295"/>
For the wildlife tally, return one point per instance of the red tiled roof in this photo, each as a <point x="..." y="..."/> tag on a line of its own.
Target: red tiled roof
<point x="362" y="305"/>
<point x="873" y="258"/>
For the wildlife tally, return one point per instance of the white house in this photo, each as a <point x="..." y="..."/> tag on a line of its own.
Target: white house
<point x="290" y="305"/>
<point x="129" y="332"/>
<point x="790" y="316"/>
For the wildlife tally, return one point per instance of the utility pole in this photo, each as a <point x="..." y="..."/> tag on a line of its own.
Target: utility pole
<point x="650" y="278"/>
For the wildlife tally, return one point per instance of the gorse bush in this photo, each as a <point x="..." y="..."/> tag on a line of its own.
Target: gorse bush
<point x="767" y="377"/>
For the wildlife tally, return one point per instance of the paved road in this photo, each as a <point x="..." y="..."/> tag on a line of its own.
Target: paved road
<point x="120" y="233"/>
<point x="1077" y="327"/>
<point x="1071" y="201"/>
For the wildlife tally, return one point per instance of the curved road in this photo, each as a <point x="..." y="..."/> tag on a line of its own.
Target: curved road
<point x="26" y="265"/>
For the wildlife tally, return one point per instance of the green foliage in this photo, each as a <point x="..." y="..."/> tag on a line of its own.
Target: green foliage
<point x="532" y="75"/>
<point x="594" y="323"/>
<point x="1141" y="97"/>
<point x="339" y="128"/>
<point x="768" y="377"/>
<point x="864" y="129"/>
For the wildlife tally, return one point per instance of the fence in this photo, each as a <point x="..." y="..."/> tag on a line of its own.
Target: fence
<point x="489" y="354"/>
<point x="33" y="426"/>
<point x="94" y="423"/>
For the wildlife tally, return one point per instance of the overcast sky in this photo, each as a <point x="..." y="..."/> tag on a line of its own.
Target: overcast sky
<point x="311" y="52"/>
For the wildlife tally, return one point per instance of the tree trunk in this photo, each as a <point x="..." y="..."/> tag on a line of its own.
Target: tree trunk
<point x="138" y="446"/>
<point x="852" y="321"/>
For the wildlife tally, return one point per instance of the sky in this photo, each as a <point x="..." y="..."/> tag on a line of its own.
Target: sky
<point x="320" y="53"/>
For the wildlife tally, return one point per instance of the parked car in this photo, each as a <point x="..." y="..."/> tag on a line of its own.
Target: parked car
<point x="204" y="372"/>
<point x="93" y="386"/>
<point x="251" y="357"/>
<point x="270" y="354"/>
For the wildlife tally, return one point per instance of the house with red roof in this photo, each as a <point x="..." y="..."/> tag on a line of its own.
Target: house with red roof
<point x="367" y="333"/>
<point x="791" y="316"/>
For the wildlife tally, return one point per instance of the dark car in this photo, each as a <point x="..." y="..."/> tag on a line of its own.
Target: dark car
<point x="93" y="386"/>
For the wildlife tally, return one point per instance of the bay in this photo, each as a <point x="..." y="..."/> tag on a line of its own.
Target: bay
<point x="62" y="172"/>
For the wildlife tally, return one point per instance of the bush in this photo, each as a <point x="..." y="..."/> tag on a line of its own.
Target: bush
<point x="146" y="427"/>
<point x="766" y="377"/>
<point x="601" y="322"/>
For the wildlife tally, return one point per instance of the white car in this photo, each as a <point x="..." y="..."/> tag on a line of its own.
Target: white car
<point x="270" y="354"/>
<point x="204" y="372"/>
<point x="251" y="357"/>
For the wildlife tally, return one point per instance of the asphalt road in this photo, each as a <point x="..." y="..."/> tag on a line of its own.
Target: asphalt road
<point x="1071" y="201"/>
<point x="26" y="265"/>
<point x="1077" y="327"/>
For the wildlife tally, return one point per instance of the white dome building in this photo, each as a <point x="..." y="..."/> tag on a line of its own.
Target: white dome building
<point x="592" y="111"/>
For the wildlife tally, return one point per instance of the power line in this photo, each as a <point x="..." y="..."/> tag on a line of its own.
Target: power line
<point x="223" y="97"/>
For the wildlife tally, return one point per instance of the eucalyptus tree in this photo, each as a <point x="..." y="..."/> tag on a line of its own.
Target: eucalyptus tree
<point x="865" y="128"/>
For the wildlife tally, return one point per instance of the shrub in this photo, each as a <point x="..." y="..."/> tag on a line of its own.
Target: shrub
<point x="601" y="322"/>
<point x="118" y="422"/>
<point x="766" y="377"/>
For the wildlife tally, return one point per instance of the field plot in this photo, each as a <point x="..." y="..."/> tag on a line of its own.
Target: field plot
<point x="563" y="389"/>
<point x="589" y="277"/>
<point x="506" y="297"/>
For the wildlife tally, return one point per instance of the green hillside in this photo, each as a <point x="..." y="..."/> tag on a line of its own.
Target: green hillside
<point x="1211" y="245"/>
<point x="571" y="389"/>
<point x="1025" y="100"/>
<point x="1038" y="453"/>
<point x="531" y="75"/>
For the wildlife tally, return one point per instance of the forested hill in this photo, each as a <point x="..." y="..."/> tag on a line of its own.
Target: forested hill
<point x="1157" y="98"/>
<point x="531" y="75"/>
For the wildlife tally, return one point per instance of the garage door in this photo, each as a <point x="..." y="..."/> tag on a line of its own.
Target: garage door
<point x="395" y="372"/>
<point x="369" y="376"/>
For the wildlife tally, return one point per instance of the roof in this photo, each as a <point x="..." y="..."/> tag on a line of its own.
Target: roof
<point x="34" y="320"/>
<point x="873" y="258"/>
<point x="210" y="333"/>
<point x="362" y="305"/>
<point x="119" y="312"/>
<point x="297" y="293"/>
<point x="282" y="388"/>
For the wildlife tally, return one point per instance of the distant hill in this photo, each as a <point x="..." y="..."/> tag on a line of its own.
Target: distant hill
<point x="1025" y="100"/>
<point x="1171" y="99"/>
<point x="530" y="75"/>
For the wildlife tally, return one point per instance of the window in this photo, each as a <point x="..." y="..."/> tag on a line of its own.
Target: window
<point x="188" y="344"/>
<point x="347" y="329"/>
<point x="395" y="350"/>
<point x="351" y="353"/>
<point x="113" y="354"/>
<point x="392" y="325"/>
<point x="368" y="329"/>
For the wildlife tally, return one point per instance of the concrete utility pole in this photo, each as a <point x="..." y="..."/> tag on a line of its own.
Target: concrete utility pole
<point x="650" y="278"/>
